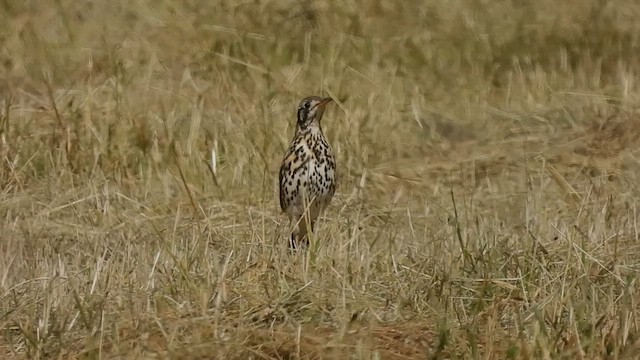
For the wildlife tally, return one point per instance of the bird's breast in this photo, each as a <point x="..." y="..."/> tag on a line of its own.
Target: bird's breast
<point x="308" y="170"/>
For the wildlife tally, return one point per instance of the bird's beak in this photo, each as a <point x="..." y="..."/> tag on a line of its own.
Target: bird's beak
<point x="325" y="101"/>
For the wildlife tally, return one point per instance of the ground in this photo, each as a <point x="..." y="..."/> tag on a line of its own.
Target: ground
<point x="488" y="155"/>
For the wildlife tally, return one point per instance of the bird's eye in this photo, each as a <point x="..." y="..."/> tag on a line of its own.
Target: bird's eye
<point x="307" y="105"/>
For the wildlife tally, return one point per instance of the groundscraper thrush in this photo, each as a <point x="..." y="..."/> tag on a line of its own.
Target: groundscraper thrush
<point x="308" y="171"/>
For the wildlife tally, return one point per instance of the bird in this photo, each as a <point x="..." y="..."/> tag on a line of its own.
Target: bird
<point x="307" y="177"/>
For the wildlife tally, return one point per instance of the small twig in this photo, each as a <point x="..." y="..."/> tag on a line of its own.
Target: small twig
<point x="467" y="256"/>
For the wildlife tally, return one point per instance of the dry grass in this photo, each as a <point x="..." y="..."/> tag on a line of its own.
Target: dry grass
<point x="489" y="168"/>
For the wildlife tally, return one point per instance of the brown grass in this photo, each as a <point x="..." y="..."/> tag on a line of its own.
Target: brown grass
<point x="487" y="206"/>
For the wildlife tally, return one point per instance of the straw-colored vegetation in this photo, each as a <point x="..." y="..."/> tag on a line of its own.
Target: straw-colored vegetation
<point x="488" y="200"/>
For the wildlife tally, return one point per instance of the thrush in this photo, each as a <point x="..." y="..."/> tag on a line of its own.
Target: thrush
<point x="308" y="172"/>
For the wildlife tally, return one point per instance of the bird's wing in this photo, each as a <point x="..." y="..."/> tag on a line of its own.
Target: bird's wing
<point x="281" y="186"/>
<point x="282" y="178"/>
<point x="292" y="164"/>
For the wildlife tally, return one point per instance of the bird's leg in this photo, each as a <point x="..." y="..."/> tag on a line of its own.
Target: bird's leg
<point x="305" y="222"/>
<point x="303" y="234"/>
<point x="313" y="225"/>
<point x="295" y="235"/>
<point x="292" y="241"/>
<point x="299" y="237"/>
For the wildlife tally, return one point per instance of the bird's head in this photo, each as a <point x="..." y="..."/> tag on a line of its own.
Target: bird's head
<point x="310" y="111"/>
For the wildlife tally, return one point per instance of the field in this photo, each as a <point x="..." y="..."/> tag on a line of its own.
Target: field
<point x="488" y="199"/>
